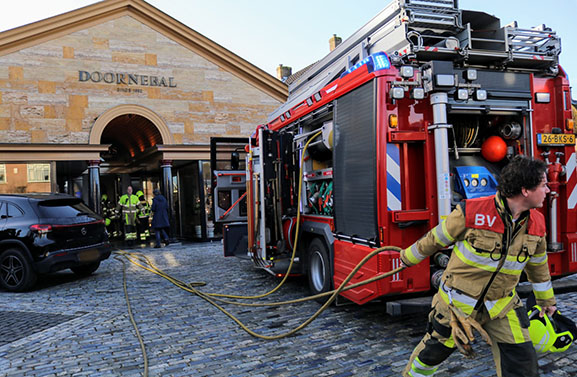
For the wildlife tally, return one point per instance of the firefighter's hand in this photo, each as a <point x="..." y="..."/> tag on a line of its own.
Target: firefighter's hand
<point x="549" y="310"/>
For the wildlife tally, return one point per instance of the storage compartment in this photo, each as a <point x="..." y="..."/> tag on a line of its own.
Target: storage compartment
<point x="348" y="255"/>
<point x="480" y="146"/>
<point x="235" y="239"/>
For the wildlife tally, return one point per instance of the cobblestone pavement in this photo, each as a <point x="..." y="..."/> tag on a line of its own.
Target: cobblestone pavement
<point x="80" y="327"/>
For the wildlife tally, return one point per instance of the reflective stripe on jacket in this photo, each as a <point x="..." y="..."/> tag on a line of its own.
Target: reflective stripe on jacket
<point x="485" y="239"/>
<point x="130" y="205"/>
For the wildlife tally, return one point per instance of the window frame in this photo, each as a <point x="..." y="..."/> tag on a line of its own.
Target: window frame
<point x="3" y="178"/>
<point x="37" y="172"/>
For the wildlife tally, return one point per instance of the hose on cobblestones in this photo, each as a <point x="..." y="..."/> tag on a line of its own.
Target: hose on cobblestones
<point x="146" y="261"/>
<point x="131" y="316"/>
<point x="143" y="262"/>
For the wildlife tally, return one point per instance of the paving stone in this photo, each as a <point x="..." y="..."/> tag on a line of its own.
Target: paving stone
<point x="17" y="324"/>
<point x="80" y="327"/>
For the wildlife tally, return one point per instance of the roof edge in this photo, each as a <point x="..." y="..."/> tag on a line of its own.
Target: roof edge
<point x="41" y="31"/>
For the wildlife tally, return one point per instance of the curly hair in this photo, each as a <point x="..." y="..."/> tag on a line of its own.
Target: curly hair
<point x="521" y="172"/>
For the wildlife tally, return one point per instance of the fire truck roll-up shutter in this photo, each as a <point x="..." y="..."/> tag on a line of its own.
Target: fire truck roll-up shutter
<point x="354" y="164"/>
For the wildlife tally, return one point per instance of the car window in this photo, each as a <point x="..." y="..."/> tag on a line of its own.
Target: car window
<point x="3" y="213"/>
<point x="64" y="208"/>
<point x="14" y="211"/>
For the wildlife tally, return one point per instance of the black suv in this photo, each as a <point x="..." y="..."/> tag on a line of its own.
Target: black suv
<point x="44" y="233"/>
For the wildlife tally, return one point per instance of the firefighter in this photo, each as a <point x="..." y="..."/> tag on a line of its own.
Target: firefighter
<point x="107" y="212"/>
<point x="143" y="217"/>
<point x="117" y="223"/>
<point x="129" y="204"/>
<point x="495" y="239"/>
<point x="114" y="214"/>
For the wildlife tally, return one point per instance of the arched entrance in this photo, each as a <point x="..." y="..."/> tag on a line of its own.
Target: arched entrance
<point x="134" y="134"/>
<point x="130" y="137"/>
<point x="142" y="152"/>
<point x="104" y="119"/>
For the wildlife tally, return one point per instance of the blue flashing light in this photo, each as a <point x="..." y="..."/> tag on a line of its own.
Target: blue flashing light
<point x="381" y="61"/>
<point x="374" y="62"/>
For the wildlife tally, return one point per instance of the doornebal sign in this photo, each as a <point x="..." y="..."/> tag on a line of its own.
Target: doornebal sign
<point x="126" y="79"/>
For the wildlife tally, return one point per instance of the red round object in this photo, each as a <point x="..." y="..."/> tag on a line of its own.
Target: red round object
<point x="494" y="149"/>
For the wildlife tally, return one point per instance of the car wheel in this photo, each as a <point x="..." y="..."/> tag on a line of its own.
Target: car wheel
<point x="16" y="274"/>
<point x="86" y="270"/>
<point x="319" y="268"/>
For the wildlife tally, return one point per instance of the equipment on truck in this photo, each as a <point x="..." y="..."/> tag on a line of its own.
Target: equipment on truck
<point x="418" y="109"/>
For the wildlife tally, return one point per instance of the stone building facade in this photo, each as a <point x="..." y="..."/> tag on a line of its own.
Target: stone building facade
<point x="120" y="93"/>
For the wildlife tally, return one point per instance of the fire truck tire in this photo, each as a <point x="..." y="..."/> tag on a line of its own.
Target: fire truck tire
<point x="319" y="268"/>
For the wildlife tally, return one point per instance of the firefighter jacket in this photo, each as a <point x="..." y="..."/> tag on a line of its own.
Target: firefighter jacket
<point x="106" y="207"/>
<point x="130" y="206"/>
<point x="485" y="239"/>
<point x="144" y="209"/>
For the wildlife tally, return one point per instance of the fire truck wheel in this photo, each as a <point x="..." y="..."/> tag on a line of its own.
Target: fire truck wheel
<point x="319" y="269"/>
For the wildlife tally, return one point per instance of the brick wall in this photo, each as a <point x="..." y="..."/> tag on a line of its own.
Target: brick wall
<point x="16" y="181"/>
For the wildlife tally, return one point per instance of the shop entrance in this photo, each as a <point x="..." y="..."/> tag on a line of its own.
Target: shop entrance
<point x="141" y="154"/>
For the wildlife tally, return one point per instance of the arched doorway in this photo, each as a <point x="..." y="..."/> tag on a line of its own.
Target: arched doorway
<point x="133" y="134"/>
<point x="141" y="152"/>
<point x="130" y="137"/>
<point x="104" y="119"/>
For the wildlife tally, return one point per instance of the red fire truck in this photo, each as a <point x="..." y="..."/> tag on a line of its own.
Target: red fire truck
<point x="416" y="111"/>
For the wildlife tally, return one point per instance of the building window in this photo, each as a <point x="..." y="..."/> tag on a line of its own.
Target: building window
<point x="38" y="172"/>
<point x="2" y="173"/>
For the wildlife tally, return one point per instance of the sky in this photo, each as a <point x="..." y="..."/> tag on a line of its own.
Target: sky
<point x="295" y="33"/>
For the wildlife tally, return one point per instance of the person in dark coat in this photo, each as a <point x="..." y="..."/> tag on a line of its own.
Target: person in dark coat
<point x="160" y="218"/>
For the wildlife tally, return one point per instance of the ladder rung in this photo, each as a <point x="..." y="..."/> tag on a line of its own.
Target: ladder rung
<point x="530" y="33"/>
<point x="431" y="16"/>
<point x="417" y="19"/>
<point x="522" y="44"/>
<point x="432" y="3"/>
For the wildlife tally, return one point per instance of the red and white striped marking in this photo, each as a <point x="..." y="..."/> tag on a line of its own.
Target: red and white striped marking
<point x="571" y="181"/>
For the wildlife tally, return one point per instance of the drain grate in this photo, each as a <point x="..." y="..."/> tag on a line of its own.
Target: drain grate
<point x="16" y="325"/>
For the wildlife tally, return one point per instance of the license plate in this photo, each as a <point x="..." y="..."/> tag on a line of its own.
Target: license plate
<point x="88" y="255"/>
<point x="555" y="139"/>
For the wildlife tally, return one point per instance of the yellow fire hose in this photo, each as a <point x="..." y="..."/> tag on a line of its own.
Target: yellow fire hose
<point x="137" y="258"/>
<point x="144" y="262"/>
<point x="131" y="316"/>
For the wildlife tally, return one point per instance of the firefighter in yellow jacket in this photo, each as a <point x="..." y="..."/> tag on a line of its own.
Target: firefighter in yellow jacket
<point x="130" y="205"/>
<point x="494" y="239"/>
<point x="143" y="215"/>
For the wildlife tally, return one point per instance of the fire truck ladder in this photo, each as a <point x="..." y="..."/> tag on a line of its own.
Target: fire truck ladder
<point x="424" y="30"/>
